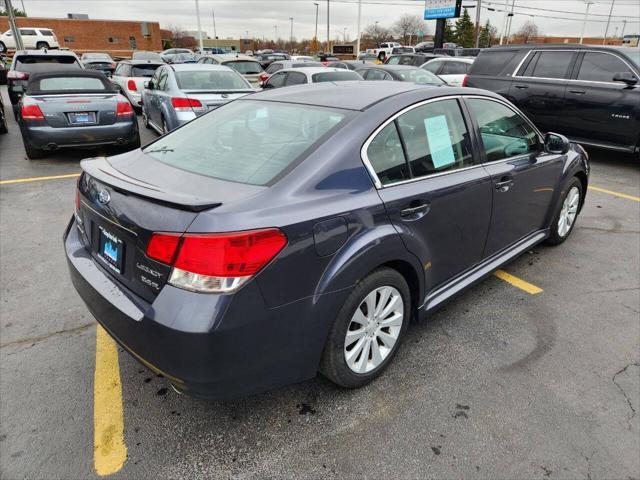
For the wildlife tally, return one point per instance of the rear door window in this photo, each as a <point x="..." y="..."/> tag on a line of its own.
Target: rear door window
<point x="335" y="76"/>
<point x="273" y="68"/>
<point x="386" y="156"/>
<point x="295" y="78"/>
<point x="552" y="64"/>
<point x="277" y="80"/>
<point x="46" y="33"/>
<point x="600" y="67"/>
<point x="143" y="70"/>
<point x="27" y="31"/>
<point x="375" y="74"/>
<point x="454" y="68"/>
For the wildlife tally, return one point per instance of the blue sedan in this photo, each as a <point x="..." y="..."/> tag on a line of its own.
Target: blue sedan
<point x="179" y="93"/>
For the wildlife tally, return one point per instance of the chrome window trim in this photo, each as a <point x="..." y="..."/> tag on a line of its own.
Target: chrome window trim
<point x="374" y="176"/>
<point x="571" y="79"/>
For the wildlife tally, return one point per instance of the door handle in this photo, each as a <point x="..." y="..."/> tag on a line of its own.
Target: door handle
<point x="521" y="87"/>
<point x="578" y="92"/>
<point x="504" y="184"/>
<point x="415" y="210"/>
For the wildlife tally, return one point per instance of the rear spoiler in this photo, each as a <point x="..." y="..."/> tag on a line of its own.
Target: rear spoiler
<point x="100" y="169"/>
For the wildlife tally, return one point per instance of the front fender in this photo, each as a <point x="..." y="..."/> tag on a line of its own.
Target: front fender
<point x="576" y="164"/>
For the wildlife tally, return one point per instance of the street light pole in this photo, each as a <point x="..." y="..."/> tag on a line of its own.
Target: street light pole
<point x="315" y="37"/>
<point x="14" y="28"/>
<point x="624" y="25"/>
<point x="504" y="21"/>
<point x="328" y="31"/>
<point x="586" y="16"/>
<point x="291" y="34"/>
<point x="359" y="18"/>
<point x="199" y="27"/>
<point x="606" y="30"/>
<point x="513" y="4"/>
<point x="215" y="34"/>
<point x="478" y="8"/>
<point x="275" y="39"/>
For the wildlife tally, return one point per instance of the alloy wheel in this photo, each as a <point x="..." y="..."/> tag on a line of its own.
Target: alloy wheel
<point x="374" y="329"/>
<point x="568" y="212"/>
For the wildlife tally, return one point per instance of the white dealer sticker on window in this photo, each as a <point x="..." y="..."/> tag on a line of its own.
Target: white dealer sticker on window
<point x="439" y="141"/>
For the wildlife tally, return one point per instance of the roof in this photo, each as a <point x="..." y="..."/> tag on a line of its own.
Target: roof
<point x="230" y="57"/>
<point x="55" y="52"/>
<point x="312" y="70"/>
<point x="192" y="67"/>
<point x="389" y="67"/>
<point x="143" y="62"/>
<point x="350" y="95"/>
<point x="550" y="46"/>
<point x="33" y="88"/>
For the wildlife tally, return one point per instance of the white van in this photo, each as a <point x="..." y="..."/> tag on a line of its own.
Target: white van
<point x="32" y="38"/>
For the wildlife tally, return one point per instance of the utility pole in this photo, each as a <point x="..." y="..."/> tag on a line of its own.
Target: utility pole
<point x="291" y="34"/>
<point x="478" y="8"/>
<point x="328" y="30"/>
<point x="504" y="21"/>
<point x="624" y="25"/>
<point x="344" y="34"/>
<point x="315" y="37"/>
<point x="215" y="34"/>
<point x="13" y="26"/>
<point x="199" y="27"/>
<point x="24" y="10"/>
<point x="358" y="34"/>
<point x="586" y="16"/>
<point x="275" y="40"/>
<point x="513" y="4"/>
<point x="438" y="39"/>
<point x="606" y="30"/>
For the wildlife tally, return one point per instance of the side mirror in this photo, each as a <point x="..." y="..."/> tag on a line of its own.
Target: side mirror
<point x="556" y="143"/>
<point x="625" y="77"/>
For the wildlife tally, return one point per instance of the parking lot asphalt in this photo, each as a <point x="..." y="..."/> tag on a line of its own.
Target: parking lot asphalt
<point x="501" y="383"/>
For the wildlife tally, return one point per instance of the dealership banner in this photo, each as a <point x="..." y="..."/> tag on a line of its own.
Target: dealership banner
<point x="435" y="9"/>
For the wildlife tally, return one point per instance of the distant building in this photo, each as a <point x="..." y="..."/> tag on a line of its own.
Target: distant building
<point x="116" y="37"/>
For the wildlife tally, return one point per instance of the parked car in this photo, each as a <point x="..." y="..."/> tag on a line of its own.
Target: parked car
<point x="130" y="75"/>
<point x="413" y="59"/>
<point x="79" y="108"/>
<point x="179" y="93"/>
<point x="300" y="230"/>
<point x="145" y="55"/>
<point x="3" y="70"/>
<point x="347" y="64"/>
<point x="181" y="58"/>
<point x="401" y="50"/>
<point x="302" y="58"/>
<point x="325" y="58"/>
<point x="368" y="58"/>
<point x="267" y="59"/>
<point x="590" y="94"/>
<point x="424" y="47"/>
<point x="99" y="61"/>
<point x="452" y="70"/>
<point x="300" y="76"/>
<point x="248" y="67"/>
<point x="28" y="62"/>
<point x="384" y="50"/>
<point x="32" y="38"/>
<point x="168" y="54"/>
<point x="284" y="64"/>
<point x="3" y="117"/>
<point x="401" y="73"/>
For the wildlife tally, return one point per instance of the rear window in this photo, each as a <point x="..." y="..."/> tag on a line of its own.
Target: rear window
<point x="143" y="70"/>
<point x="97" y="56"/>
<point x="46" y="33"/>
<point x="66" y="84"/>
<point x="247" y="141"/>
<point x="210" y="80"/>
<point x="246" y="67"/>
<point x="44" y="63"/>
<point x="335" y="76"/>
<point x="492" y="62"/>
<point x="418" y="75"/>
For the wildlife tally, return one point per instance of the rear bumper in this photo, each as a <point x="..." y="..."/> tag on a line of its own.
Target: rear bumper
<point x="208" y="346"/>
<point x="47" y="138"/>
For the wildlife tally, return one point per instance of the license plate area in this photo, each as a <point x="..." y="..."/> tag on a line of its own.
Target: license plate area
<point x="111" y="250"/>
<point x="82" y="118"/>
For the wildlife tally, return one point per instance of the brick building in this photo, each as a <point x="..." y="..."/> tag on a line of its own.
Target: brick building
<point x="116" y="37"/>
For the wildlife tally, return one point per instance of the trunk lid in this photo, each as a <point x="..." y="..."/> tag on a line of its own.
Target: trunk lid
<point x="78" y="110"/>
<point x="212" y="99"/>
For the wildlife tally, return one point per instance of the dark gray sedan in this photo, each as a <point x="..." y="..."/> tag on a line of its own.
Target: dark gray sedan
<point x="400" y="73"/>
<point x="75" y="109"/>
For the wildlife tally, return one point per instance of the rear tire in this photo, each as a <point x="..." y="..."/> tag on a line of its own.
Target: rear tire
<point x="33" y="153"/>
<point x="566" y="213"/>
<point x="145" y="119"/>
<point x="3" y="48"/>
<point x="381" y="56"/>
<point x="368" y="330"/>
<point x="41" y="45"/>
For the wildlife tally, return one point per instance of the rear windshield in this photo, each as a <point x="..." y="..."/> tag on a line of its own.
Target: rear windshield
<point x="335" y="76"/>
<point x="97" y="56"/>
<point x="143" y="70"/>
<point x="418" y="75"/>
<point x="210" y="80"/>
<point x="492" y="62"/>
<point x="246" y="67"/>
<point x="246" y="141"/>
<point x="71" y="83"/>
<point x="45" y="63"/>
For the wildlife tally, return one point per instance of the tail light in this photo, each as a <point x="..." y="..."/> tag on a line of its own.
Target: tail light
<point x="215" y="263"/>
<point x="264" y="77"/>
<point x="14" y="75"/>
<point x="131" y="85"/>
<point x="465" y="81"/>
<point x="181" y="104"/>
<point x="31" y="112"/>
<point x="124" y="109"/>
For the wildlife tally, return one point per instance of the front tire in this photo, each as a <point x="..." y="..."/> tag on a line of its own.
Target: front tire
<point x="566" y="213"/>
<point x="41" y="45"/>
<point x="368" y="329"/>
<point x="3" y="48"/>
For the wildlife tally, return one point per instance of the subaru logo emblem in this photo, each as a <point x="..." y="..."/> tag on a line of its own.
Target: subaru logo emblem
<point x="104" y="197"/>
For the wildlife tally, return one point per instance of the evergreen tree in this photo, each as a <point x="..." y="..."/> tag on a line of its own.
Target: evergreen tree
<point x="449" y="33"/>
<point x="16" y="12"/>
<point x="487" y="34"/>
<point x="465" y="30"/>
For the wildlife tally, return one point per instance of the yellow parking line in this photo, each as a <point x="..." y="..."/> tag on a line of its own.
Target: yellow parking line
<point x="109" y="449"/>
<point x="518" y="282"/>
<point x="615" y="194"/>
<point x="38" y="179"/>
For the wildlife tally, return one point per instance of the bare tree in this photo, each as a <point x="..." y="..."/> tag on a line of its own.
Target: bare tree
<point x="408" y="26"/>
<point x="526" y="33"/>
<point x="373" y="35"/>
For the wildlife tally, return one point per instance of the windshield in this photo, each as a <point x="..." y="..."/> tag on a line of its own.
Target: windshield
<point x="143" y="70"/>
<point x="246" y="141"/>
<point x="632" y="53"/>
<point x="45" y="63"/>
<point x="97" y="56"/>
<point x="335" y="76"/>
<point x="247" y="67"/>
<point x="419" y="75"/>
<point x="210" y="80"/>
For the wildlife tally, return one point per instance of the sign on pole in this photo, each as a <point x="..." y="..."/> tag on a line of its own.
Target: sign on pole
<point x="436" y="9"/>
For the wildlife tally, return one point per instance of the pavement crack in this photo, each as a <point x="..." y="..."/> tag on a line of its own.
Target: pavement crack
<point x="34" y="340"/>
<point x="624" y="393"/>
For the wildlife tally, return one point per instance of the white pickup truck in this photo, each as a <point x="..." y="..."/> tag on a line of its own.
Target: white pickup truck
<point x="384" y="50"/>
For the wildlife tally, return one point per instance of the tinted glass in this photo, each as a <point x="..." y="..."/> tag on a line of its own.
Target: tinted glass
<point x="432" y="66"/>
<point x="246" y="67"/>
<point x="553" y="65"/>
<point x="600" y="67"/>
<point x="276" y="80"/>
<point x="46" y="33"/>
<point x="295" y="78"/>
<point x="436" y="138"/>
<point x="386" y="156"/>
<point x="493" y="62"/>
<point x="246" y="141"/>
<point x="504" y="133"/>
<point x="96" y="56"/>
<point x="143" y="70"/>
<point x="418" y="75"/>
<point x="395" y="60"/>
<point x="455" y="68"/>
<point x="210" y="80"/>
<point x="335" y="76"/>
<point x="146" y="56"/>
<point x="274" y="67"/>
<point x="71" y="83"/>
<point x="27" y="31"/>
<point x="44" y="63"/>
<point x="375" y="74"/>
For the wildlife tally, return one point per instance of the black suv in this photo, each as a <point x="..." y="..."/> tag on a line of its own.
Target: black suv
<point x="590" y="94"/>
